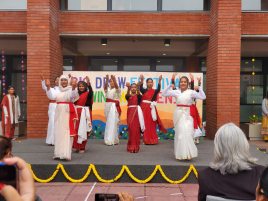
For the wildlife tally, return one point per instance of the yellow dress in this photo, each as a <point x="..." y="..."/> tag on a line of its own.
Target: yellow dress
<point x="264" y="130"/>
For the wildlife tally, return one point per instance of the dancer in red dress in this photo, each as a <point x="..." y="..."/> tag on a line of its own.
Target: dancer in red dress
<point x="148" y="106"/>
<point x="135" y="119"/>
<point x="84" y="113"/>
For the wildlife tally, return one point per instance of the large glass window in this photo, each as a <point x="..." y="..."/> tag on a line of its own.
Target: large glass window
<point x="103" y="64"/>
<point x="13" y="4"/>
<point x="136" y="65"/>
<point x="134" y="5"/>
<point x="87" y="4"/>
<point x="183" y="5"/>
<point x="170" y="65"/>
<point x="254" y="5"/>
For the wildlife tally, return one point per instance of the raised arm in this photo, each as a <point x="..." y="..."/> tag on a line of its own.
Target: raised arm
<point x="115" y="82"/>
<point x="43" y="83"/>
<point x="191" y="81"/>
<point x="140" y="84"/>
<point x="199" y="95"/>
<point x="159" y="84"/>
<point x="105" y="86"/>
<point x="50" y="91"/>
<point x="128" y="91"/>
<point x="169" y="91"/>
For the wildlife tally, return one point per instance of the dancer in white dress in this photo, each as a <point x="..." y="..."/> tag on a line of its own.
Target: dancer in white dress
<point x="112" y="111"/>
<point x="184" y="147"/>
<point x="51" y="110"/>
<point x="65" y="116"/>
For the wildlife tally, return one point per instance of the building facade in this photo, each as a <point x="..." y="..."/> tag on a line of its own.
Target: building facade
<point x="227" y="40"/>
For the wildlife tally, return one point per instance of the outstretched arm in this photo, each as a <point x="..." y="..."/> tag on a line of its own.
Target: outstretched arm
<point x="105" y="86"/>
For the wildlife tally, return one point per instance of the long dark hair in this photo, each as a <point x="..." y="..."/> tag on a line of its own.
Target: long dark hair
<point x="9" y="87"/>
<point x="5" y="146"/>
<point x="148" y="79"/>
<point x="84" y="84"/>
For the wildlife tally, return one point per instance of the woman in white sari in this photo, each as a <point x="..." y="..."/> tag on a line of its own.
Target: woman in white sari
<point x="65" y="116"/>
<point x="184" y="147"/>
<point x="112" y="111"/>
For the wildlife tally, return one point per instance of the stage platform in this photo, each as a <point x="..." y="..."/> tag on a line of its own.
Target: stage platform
<point x="109" y="159"/>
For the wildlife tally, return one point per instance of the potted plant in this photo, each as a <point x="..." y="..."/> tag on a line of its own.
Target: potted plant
<point x="254" y="119"/>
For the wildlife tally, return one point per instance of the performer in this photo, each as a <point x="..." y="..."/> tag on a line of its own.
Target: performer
<point x="65" y="116"/>
<point x="51" y="110"/>
<point x="112" y="111"/>
<point x="194" y="111"/>
<point x="264" y="130"/>
<point x="148" y="106"/>
<point x="135" y="120"/>
<point x="184" y="147"/>
<point x="84" y="113"/>
<point x="10" y="112"/>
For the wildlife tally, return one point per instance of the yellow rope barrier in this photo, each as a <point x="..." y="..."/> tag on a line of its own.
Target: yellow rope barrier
<point x="124" y="168"/>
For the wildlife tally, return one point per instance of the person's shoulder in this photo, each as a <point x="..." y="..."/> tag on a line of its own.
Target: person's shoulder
<point x="206" y="173"/>
<point x="258" y="169"/>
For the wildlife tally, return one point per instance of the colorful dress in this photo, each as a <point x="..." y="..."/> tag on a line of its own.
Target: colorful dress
<point x="135" y="122"/>
<point x="151" y="117"/>
<point x="264" y="130"/>
<point x="84" y="123"/>
<point x="10" y="115"/>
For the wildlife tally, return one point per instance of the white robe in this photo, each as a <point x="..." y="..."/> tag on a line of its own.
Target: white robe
<point x="51" y="114"/>
<point x="184" y="147"/>
<point x="63" y="140"/>
<point x="112" y="117"/>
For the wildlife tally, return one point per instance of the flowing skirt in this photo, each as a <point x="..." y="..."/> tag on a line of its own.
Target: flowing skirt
<point x="134" y="130"/>
<point x="149" y="136"/>
<point x="112" y="124"/>
<point x="184" y="147"/>
<point x="63" y="140"/>
<point x="50" y="126"/>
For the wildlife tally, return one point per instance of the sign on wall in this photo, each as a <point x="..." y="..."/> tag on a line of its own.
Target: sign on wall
<point x="165" y="105"/>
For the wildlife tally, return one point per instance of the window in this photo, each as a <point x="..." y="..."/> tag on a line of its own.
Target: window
<point x="13" y="4"/>
<point x="249" y="65"/>
<point x="105" y="64"/>
<point x="68" y="63"/>
<point x="137" y="64"/>
<point x="169" y="65"/>
<point x="134" y="5"/>
<point x="254" y="5"/>
<point x="87" y="4"/>
<point x="251" y="89"/>
<point x="182" y="5"/>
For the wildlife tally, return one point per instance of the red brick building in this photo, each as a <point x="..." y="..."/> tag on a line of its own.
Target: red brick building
<point x="217" y="37"/>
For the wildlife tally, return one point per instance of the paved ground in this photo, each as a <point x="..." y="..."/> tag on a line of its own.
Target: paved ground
<point x="148" y="192"/>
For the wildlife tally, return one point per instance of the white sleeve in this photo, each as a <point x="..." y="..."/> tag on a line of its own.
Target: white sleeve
<point x="51" y="94"/>
<point x="5" y="111"/>
<point x="18" y="99"/>
<point x="170" y="92"/>
<point x="44" y="87"/>
<point x="199" y="95"/>
<point x="74" y="95"/>
<point x="263" y="107"/>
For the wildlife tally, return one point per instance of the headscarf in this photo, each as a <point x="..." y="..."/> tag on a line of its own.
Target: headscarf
<point x="68" y="87"/>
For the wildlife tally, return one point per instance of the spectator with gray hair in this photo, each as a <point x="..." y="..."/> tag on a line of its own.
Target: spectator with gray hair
<point x="233" y="174"/>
